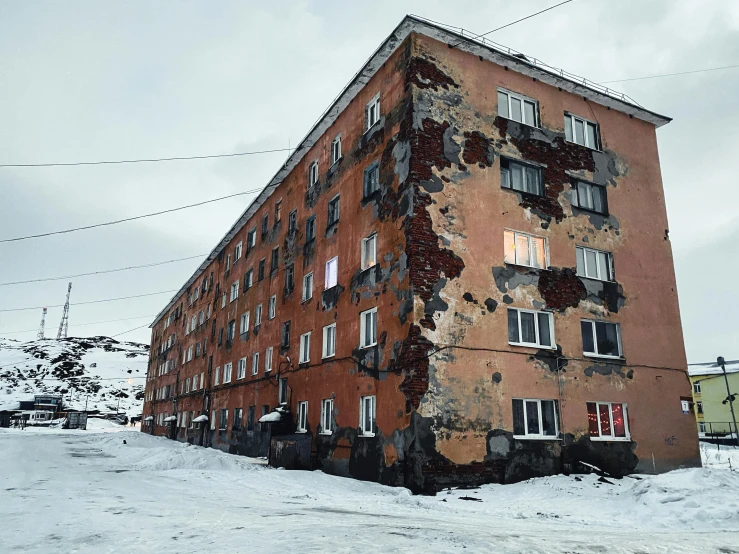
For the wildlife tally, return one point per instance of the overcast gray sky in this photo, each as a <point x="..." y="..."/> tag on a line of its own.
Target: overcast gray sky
<point x="119" y="80"/>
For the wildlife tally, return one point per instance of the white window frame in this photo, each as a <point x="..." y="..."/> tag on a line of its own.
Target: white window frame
<point x="702" y="427"/>
<point x="217" y="378"/>
<point x="241" y="369"/>
<point x="696" y="387"/>
<point x="516" y="261"/>
<point x="327" y="416"/>
<point x="369" y="259"/>
<point x="227" y="369"/>
<point x="330" y="277"/>
<point x="189" y="354"/>
<point x="195" y="382"/>
<point x="268" y="359"/>
<point x="571" y="135"/>
<point x="234" y="291"/>
<point x="305" y="348"/>
<point x="363" y="327"/>
<point x="364" y="425"/>
<point x="589" y="187"/>
<point x="307" y="286"/>
<point x="540" y="435"/>
<point x="258" y="315"/>
<point x="255" y="363"/>
<point x="313" y="174"/>
<point x="610" y="438"/>
<point x="244" y="323"/>
<point x="523" y="99"/>
<point x="228" y="261"/>
<point x="538" y="343"/>
<point x="336" y="149"/>
<point x="202" y="379"/>
<point x="237" y="251"/>
<point x="592" y="323"/>
<point x="302" y="417"/>
<point x="326" y="352"/>
<point x="372" y="112"/>
<point x="506" y="177"/>
<point x="187" y="385"/>
<point x="224" y="298"/>
<point x="585" y="265"/>
<point x="272" y="307"/>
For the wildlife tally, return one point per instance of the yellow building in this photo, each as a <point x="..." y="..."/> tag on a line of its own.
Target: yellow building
<point x="712" y="410"/>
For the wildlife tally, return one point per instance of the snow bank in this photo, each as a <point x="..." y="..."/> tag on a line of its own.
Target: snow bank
<point x="142" y="451"/>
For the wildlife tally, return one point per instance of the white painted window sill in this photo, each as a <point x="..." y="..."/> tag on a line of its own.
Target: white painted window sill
<point x="328" y="356"/>
<point x="603" y="357"/>
<point x="530" y="345"/>
<point x="610" y="439"/>
<point x="326" y="433"/>
<point x="536" y="438"/>
<point x="367" y="435"/>
<point x="368" y="345"/>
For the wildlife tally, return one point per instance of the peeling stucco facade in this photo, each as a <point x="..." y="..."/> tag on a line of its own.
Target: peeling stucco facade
<point x="442" y="371"/>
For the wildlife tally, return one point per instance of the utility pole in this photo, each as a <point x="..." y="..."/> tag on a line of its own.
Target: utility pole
<point x="722" y="363"/>
<point x="40" y="335"/>
<point x="64" y="323"/>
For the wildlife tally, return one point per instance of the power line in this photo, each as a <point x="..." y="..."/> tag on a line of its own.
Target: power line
<point x="89" y="301"/>
<point x="130" y="330"/>
<point x="513" y="22"/>
<point x="115" y="222"/>
<point x="148" y="160"/>
<point x="82" y="324"/>
<point x="99" y="272"/>
<point x="670" y="74"/>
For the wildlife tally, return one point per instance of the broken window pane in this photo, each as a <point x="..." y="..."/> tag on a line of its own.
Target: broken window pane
<point x="503" y="104"/>
<point x="592" y="420"/>
<point x="528" y="331"/>
<point x="605" y="419"/>
<point x="518" y="424"/>
<point x="545" y="338"/>
<point x="532" y="417"/>
<point x="548" y="418"/>
<point x="516" y="109"/>
<point x="619" y="426"/>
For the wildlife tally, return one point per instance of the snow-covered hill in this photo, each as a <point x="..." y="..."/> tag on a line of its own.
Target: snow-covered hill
<point x="100" y="370"/>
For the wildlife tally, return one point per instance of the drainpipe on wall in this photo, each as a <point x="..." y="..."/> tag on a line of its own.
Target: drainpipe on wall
<point x="722" y="363"/>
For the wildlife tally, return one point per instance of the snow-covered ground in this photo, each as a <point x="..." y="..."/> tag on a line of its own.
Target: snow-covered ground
<point x="99" y="372"/>
<point x="76" y="491"/>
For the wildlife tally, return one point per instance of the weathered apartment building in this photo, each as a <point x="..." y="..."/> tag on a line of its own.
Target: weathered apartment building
<point x="462" y="274"/>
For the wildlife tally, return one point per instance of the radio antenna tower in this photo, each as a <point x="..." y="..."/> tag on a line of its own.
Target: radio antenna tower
<point x="64" y="323"/>
<point x="40" y="335"/>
